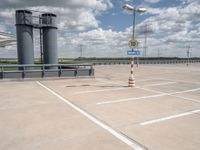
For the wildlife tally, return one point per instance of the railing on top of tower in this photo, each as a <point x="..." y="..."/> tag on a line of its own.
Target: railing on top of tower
<point x="36" y="19"/>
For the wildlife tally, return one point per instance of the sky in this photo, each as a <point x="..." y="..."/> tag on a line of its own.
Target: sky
<point x="103" y="28"/>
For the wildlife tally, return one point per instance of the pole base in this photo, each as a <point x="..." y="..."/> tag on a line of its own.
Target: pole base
<point x="131" y="82"/>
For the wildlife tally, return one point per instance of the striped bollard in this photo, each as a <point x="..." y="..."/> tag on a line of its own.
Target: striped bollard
<point x="131" y="80"/>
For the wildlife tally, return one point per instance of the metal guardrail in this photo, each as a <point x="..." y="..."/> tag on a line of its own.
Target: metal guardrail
<point x="115" y="62"/>
<point x="46" y="70"/>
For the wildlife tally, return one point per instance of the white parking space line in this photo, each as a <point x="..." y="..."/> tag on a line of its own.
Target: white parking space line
<point x="130" y="99"/>
<point x="176" y="80"/>
<point x="111" y="82"/>
<point x="188" y="99"/>
<point x="169" y="117"/>
<point x="123" y="88"/>
<point x="142" y="80"/>
<point x="103" y="90"/>
<point x="121" y="84"/>
<point x="117" y="83"/>
<point x="150" y="90"/>
<point x="118" y="135"/>
<point x="153" y="96"/>
<point x="157" y="84"/>
<point x="186" y="91"/>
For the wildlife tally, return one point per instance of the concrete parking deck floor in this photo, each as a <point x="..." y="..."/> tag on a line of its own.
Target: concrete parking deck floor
<point x="161" y="113"/>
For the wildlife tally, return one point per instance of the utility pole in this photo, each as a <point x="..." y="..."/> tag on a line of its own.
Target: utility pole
<point x="146" y="32"/>
<point x="81" y="50"/>
<point x="188" y="53"/>
<point x="158" y="52"/>
<point x="145" y="41"/>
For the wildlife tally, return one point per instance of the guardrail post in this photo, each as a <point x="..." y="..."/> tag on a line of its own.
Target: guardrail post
<point x="76" y="72"/>
<point x="43" y="70"/>
<point x="90" y="71"/>
<point x="2" y="74"/>
<point x="23" y="73"/>
<point x="60" y="70"/>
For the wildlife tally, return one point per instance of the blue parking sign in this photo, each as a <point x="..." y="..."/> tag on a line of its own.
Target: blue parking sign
<point x="133" y="52"/>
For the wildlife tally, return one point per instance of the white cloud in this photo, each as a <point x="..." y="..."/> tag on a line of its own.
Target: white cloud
<point x="152" y="1"/>
<point x="72" y="14"/>
<point x="73" y="4"/>
<point x="103" y="43"/>
<point x="174" y="28"/>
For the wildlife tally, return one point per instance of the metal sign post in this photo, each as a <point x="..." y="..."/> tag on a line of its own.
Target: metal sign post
<point x="133" y="43"/>
<point x="131" y="81"/>
<point x="132" y="53"/>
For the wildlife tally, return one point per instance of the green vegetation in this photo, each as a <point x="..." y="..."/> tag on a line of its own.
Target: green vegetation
<point x="7" y="61"/>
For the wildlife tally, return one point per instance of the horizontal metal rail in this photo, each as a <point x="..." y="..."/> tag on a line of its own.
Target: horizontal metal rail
<point x="46" y="70"/>
<point x="115" y="62"/>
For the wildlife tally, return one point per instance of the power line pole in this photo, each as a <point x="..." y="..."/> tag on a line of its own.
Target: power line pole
<point x="146" y="32"/>
<point x="81" y="50"/>
<point x="188" y="54"/>
<point x="158" y="52"/>
<point x="145" y="41"/>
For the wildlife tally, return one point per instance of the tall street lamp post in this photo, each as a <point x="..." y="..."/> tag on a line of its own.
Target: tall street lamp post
<point x="133" y="10"/>
<point x="130" y="8"/>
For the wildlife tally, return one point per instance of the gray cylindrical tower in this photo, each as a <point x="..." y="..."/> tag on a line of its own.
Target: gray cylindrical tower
<point x="24" y="31"/>
<point x="49" y="30"/>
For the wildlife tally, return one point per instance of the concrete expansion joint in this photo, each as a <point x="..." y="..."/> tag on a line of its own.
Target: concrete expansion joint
<point x="141" y="145"/>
